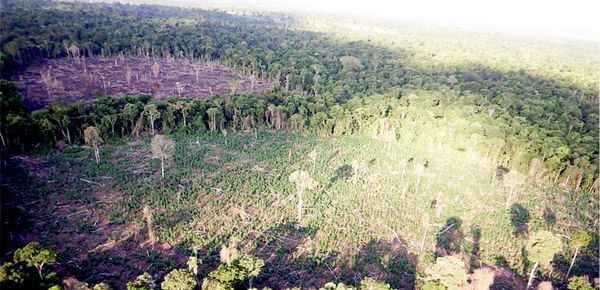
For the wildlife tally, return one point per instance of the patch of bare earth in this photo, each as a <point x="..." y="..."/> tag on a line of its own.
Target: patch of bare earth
<point x="90" y="245"/>
<point x="67" y="80"/>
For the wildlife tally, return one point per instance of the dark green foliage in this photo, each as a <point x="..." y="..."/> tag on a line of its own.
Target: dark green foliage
<point x="519" y="217"/>
<point x="234" y="274"/>
<point x="450" y="237"/>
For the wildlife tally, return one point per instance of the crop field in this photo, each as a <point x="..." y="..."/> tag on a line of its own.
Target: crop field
<point x="65" y="80"/>
<point x="377" y="207"/>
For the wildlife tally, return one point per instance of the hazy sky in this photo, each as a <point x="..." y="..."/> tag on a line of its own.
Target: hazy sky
<point x="566" y="18"/>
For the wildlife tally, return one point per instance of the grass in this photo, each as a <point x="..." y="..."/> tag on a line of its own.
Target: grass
<point x="213" y="193"/>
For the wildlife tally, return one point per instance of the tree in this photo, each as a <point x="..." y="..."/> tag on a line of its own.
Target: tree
<point x="179" y="279"/>
<point x="152" y="112"/>
<point x="35" y="255"/>
<point x="372" y="284"/>
<point x="142" y="282"/>
<point x="579" y="240"/>
<point x="303" y="182"/>
<point x="333" y="286"/>
<point x="155" y="69"/>
<point x="92" y="137"/>
<point x="233" y="85"/>
<point x="230" y="276"/>
<point x="101" y="286"/>
<point x="162" y="148"/>
<point x="579" y="283"/>
<point x="449" y="271"/>
<point x="185" y="108"/>
<point x="541" y="248"/>
<point x="11" y="273"/>
<point x="130" y="111"/>
<point x="212" y="114"/>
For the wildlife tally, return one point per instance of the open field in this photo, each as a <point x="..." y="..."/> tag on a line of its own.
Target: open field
<point x="377" y="211"/>
<point x="71" y="79"/>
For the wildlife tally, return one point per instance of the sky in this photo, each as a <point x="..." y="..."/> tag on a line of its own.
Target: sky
<point x="570" y="18"/>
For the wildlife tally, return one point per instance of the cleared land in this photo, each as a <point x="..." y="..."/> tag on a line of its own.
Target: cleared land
<point x="378" y="210"/>
<point x="66" y="80"/>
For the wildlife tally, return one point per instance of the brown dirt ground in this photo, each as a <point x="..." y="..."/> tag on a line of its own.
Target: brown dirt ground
<point x="66" y="80"/>
<point x="56" y="222"/>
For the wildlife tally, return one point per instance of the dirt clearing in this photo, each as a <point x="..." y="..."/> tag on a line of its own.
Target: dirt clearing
<point x="71" y="79"/>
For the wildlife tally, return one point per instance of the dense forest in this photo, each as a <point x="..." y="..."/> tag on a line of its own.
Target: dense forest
<point x="534" y="131"/>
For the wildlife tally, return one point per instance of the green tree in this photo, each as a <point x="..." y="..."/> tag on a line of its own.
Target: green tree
<point x="35" y="255"/>
<point x="372" y="284"/>
<point x="333" y="286"/>
<point x="212" y="115"/>
<point x="101" y="286"/>
<point x="230" y="276"/>
<point x="579" y="239"/>
<point x="152" y="113"/>
<point x="12" y="274"/>
<point x="541" y="248"/>
<point x="449" y="271"/>
<point x="185" y="108"/>
<point x="579" y="283"/>
<point x="179" y="279"/>
<point x="129" y="113"/>
<point x="142" y="282"/>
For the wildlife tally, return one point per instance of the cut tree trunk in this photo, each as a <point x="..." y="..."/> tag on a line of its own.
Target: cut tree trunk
<point x="97" y="154"/>
<point x="299" y="208"/>
<point x="572" y="263"/>
<point x="532" y="275"/>
<point x="162" y="167"/>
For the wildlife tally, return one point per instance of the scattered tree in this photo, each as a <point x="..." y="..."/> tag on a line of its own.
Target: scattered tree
<point x="92" y="137"/>
<point x="152" y="113"/>
<point x="579" y="283"/>
<point x="449" y="271"/>
<point x="35" y="255"/>
<point x="162" y="148"/>
<point x="541" y="248"/>
<point x="179" y="279"/>
<point x="303" y="182"/>
<point x="142" y="282"/>
<point x="579" y="239"/>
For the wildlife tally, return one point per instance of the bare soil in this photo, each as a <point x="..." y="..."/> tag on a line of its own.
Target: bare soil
<point x="88" y="243"/>
<point x="66" y="80"/>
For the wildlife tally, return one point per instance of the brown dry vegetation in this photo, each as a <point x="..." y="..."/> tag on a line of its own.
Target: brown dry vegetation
<point x="70" y="79"/>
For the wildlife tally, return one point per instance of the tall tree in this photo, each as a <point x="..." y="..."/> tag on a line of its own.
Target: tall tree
<point x="541" y="248"/>
<point x="303" y="182"/>
<point x="92" y="137"/>
<point x="162" y="148"/>
<point x="35" y="255"/>
<point x="152" y="113"/>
